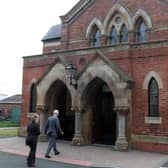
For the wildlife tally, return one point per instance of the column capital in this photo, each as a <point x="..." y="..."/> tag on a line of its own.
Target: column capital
<point x="77" y="109"/>
<point x="122" y="109"/>
<point x="42" y="108"/>
<point x="74" y="108"/>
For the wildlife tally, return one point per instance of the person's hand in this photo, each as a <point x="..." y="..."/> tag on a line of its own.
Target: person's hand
<point x="62" y="133"/>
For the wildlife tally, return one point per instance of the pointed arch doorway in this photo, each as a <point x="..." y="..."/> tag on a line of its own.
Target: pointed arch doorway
<point x="100" y="100"/>
<point x="58" y="97"/>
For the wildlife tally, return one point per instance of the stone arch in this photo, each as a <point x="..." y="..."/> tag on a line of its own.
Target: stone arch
<point x="104" y="78"/>
<point x="54" y="90"/>
<point x="89" y="76"/>
<point x="94" y="22"/>
<point x="91" y="89"/>
<point x="144" y="15"/>
<point x="58" y="97"/>
<point x="109" y="76"/>
<point x="98" y="77"/>
<point x="57" y="72"/>
<point x="98" y="101"/>
<point x="149" y="76"/>
<point x="117" y="8"/>
<point x="33" y="81"/>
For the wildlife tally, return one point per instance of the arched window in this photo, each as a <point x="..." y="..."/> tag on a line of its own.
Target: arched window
<point x="33" y="98"/>
<point x="96" y="38"/>
<point x="142" y="32"/>
<point x="153" y="98"/>
<point x="113" y="36"/>
<point x="124" y="34"/>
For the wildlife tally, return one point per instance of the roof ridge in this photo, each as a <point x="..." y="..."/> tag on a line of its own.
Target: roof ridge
<point x="76" y="9"/>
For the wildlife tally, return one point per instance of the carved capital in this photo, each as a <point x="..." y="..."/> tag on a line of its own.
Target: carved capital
<point x="122" y="109"/>
<point x="42" y="108"/>
<point x="77" y="109"/>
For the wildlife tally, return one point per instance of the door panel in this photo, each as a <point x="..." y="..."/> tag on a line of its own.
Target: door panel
<point x="104" y="119"/>
<point x="109" y="119"/>
<point x="66" y="116"/>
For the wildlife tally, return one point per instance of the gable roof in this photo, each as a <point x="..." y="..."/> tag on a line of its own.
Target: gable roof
<point x="76" y="10"/>
<point x="123" y="75"/>
<point x="53" y="33"/>
<point x="57" y="59"/>
<point x="15" y="99"/>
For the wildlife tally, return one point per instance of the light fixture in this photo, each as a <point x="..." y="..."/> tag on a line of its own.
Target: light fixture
<point x="71" y="71"/>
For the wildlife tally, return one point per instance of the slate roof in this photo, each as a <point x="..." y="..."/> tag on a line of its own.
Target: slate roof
<point x="53" y="33"/>
<point x="15" y="99"/>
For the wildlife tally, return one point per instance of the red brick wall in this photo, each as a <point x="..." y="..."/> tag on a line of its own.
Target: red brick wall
<point x="153" y="147"/>
<point x="137" y="61"/>
<point x="157" y="10"/>
<point x="34" y="68"/>
<point x="156" y="60"/>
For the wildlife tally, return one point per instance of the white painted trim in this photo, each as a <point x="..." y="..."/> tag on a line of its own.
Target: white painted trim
<point x="153" y="120"/>
<point x="94" y="22"/>
<point x="122" y="11"/>
<point x="144" y="15"/>
<point x="148" y="78"/>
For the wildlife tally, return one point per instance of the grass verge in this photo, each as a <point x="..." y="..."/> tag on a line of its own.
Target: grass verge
<point x="8" y="124"/>
<point x="9" y="132"/>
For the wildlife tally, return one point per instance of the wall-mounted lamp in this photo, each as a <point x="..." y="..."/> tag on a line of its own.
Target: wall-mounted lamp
<point x="71" y="71"/>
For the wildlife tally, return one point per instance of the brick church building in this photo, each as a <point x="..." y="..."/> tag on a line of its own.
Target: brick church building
<point x="118" y="94"/>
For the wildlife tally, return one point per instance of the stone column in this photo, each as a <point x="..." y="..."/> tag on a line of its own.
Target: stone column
<point x="42" y="111"/>
<point x="78" y="139"/>
<point x="121" y="142"/>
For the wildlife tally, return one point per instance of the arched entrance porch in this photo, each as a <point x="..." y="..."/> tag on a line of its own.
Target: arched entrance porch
<point x="58" y="97"/>
<point x="99" y="102"/>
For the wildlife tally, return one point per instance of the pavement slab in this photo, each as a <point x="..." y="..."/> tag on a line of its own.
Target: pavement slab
<point x="89" y="156"/>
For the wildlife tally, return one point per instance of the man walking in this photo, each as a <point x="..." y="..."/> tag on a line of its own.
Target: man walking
<point x="52" y="129"/>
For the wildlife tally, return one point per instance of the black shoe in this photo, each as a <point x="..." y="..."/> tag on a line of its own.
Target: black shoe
<point x="47" y="156"/>
<point x="57" y="153"/>
<point x="31" y="165"/>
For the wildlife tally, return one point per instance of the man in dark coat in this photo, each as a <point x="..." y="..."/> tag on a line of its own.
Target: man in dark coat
<point x="52" y="130"/>
<point x="33" y="131"/>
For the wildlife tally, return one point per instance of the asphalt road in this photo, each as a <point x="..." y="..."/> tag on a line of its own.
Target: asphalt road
<point x="16" y="161"/>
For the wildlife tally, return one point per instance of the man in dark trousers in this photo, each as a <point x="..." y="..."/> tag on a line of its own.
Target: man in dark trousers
<point x="52" y="130"/>
<point x="33" y="131"/>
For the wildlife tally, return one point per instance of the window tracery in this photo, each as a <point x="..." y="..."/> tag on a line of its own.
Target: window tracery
<point x="142" y="32"/>
<point x="96" y="38"/>
<point x="124" y="34"/>
<point x="119" y="31"/>
<point x="113" y="36"/>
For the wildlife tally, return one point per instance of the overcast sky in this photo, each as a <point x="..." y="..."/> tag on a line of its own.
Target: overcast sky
<point x="23" y="24"/>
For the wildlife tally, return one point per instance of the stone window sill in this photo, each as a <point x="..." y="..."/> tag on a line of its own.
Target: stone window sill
<point x="153" y="120"/>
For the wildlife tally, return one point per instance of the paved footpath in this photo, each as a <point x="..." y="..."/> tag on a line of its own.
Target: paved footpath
<point x="8" y="160"/>
<point x="89" y="156"/>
